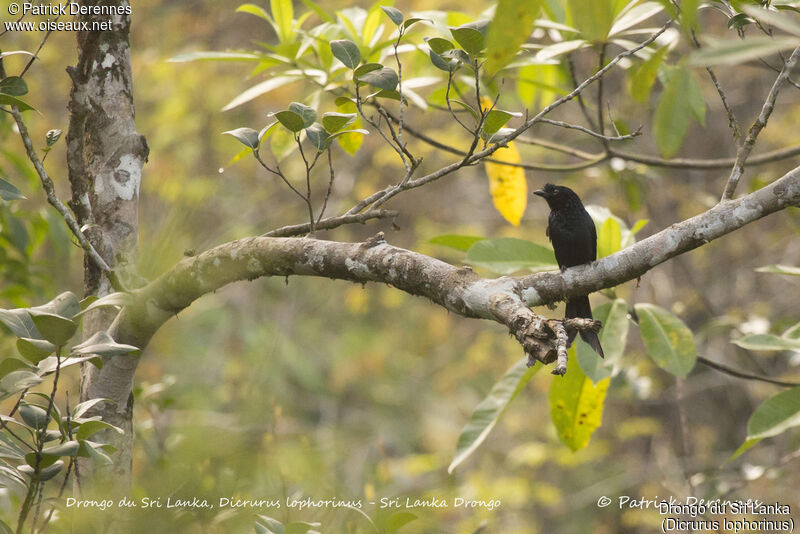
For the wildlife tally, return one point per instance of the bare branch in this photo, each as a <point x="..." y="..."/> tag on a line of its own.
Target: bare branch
<point x="331" y="223"/>
<point x="742" y="374"/>
<point x="603" y="137"/>
<point x="591" y="159"/>
<point x="459" y="290"/>
<point x="721" y="163"/>
<point x="53" y="200"/>
<point x="758" y="125"/>
<point x="732" y="122"/>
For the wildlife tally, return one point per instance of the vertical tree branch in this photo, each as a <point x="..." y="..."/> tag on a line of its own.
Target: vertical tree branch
<point x="105" y="157"/>
<point x="758" y="125"/>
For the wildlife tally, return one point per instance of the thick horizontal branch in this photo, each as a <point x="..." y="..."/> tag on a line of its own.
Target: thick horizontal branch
<point x="458" y="289"/>
<point x="634" y="261"/>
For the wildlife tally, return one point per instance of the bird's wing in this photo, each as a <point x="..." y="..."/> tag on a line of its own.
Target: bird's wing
<point x="593" y="233"/>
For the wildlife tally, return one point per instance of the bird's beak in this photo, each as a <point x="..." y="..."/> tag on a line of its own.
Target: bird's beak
<point x="540" y="193"/>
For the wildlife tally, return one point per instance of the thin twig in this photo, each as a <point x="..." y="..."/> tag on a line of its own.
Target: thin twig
<point x="591" y="159"/>
<point x="53" y="200"/>
<point x="330" y="223"/>
<point x="732" y="122"/>
<point x="720" y="163"/>
<point x="600" y="120"/>
<point x="581" y="103"/>
<point x="472" y="157"/>
<point x="330" y="186"/>
<point x="742" y="374"/>
<point x="758" y="125"/>
<point x="606" y="138"/>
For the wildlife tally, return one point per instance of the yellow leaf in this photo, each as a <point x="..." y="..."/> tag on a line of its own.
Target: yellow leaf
<point x="507" y="184"/>
<point x="576" y="405"/>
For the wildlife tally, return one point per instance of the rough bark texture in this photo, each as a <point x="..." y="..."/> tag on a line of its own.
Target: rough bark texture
<point x="105" y="156"/>
<point x="505" y="299"/>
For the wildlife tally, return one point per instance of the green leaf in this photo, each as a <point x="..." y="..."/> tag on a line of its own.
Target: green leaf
<point x="333" y="122"/>
<point x="96" y="451"/>
<point x="668" y="340"/>
<point x="365" y="68"/>
<point x="779" y="269"/>
<point x="89" y="428"/>
<point x="54" y="328"/>
<point x="775" y="415"/>
<point x="593" y="18"/>
<point x="644" y="77"/>
<point x="81" y="409"/>
<point x="46" y="473"/>
<point x="258" y="11"/>
<point x="290" y="120"/>
<point x="69" y="448"/>
<point x="456" y="241"/>
<point x="744" y="447"/>
<point x="9" y="192"/>
<point x="34" y="350"/>
<point x="496" y="119"/>
<point x="16" y="381"/>
<point x="347" y="52"/>
<point x="697" y="104"/>
<point x="629" y="18"/>
<point x="736" y="51"/>
<point x="350" y="142"/>
<point x="14" y="86"/>
<point x="394" y="14"/>
<point x="118" y="299"/>
<point x="8" y="100"/>
<point x="321" y="13"/>
<point x="318" y="137"/>
<point x="506" y="255"/>
<point x="268" y="525"/>
<point x="283" y="13"/>
<point x="439" y="45"/>
<point x="609" y="238"/>
<point x="773" y="18"/>
<point x="344" y="134"/>
<point x="443" y="64"/>
<point x="510" y="28"/>
<point x="766" y="342"/>
<point x="103" y="344"/>
<point x="247" y="136"/>
<point x="471" y="111"/>
<point x="576" y="405"/>
<point x="308" y="114"/>
<point x="689" y="14"/>
<point x="282" y="142"/>
<point x="413" y="20"/>
<point x="383" y="78"/>
<point x="34" y="416"/>
<point x="613" y="337"/>
<point x="258" y="90"/>
<point x="469" y="38"/>
<point x="671" y="121"/>
<point x="7" y="365"/>
<point x="491" y="409"/>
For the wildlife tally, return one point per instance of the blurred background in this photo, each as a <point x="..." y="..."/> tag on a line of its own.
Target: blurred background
<point x="316" y="388"/>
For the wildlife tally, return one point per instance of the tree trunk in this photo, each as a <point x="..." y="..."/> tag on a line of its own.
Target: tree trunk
<point x="105" y="156"/>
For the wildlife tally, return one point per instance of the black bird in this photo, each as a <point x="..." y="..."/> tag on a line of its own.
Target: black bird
<point x="571" y="230"/>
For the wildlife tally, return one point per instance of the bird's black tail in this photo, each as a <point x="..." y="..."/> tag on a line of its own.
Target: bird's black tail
<point x="580" y="307"/>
